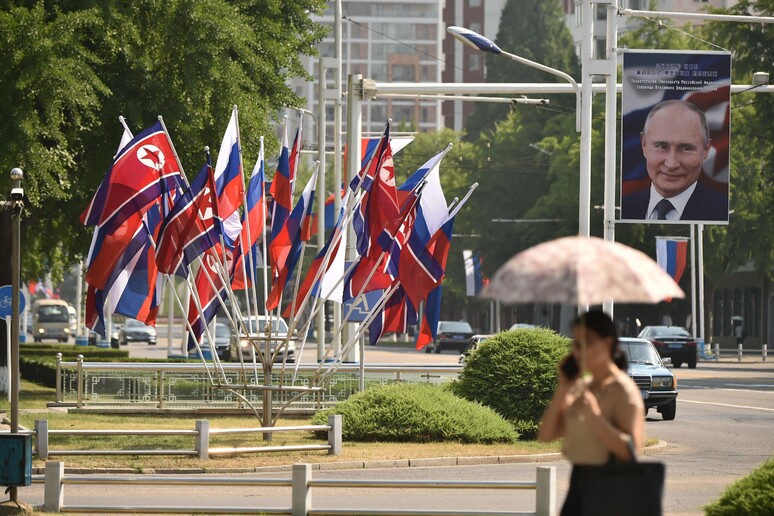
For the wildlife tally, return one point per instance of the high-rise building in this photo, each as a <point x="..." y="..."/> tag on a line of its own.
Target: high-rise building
<point x="406" y="41"/>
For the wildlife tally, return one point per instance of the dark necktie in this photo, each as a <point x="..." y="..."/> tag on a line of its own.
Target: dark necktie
<point x="663" y="207"/>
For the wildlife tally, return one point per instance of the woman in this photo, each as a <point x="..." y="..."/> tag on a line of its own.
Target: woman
<point x="600" y="418"/>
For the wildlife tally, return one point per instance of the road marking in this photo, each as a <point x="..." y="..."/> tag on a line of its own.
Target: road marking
<point x="765" y="385"/>
<point x="727" y="405"/>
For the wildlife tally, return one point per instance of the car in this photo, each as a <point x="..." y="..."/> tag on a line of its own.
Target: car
<point x="673" y="342"/>
<point x="256" y="327"/>
<point x="136" y="331"/>
<point x="522" y="326"/>
<point x="473" y="344"/>
<point x="657" y="384"/>
<point x="51" y="320"/>
<point x="223" y="336"/>
<point x="451" y="335"/>
<point x="94" y="337"/>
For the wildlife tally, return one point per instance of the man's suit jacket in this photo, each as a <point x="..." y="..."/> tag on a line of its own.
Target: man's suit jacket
<point x="705" y="204"/>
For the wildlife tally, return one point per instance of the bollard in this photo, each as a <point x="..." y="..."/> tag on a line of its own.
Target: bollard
<point x="545" y="494"/>
<point x="41" y="438"/>
<point x="79" y="399"/>
<point x="53" y="492"/>
<point x="301" y="494"/>
<point x="717" y="352"/>
<point x="59" y="378"/>
<point x="739" y="353"/>
<point x="203" y="439"/>
<point x="764" y="350"/>
<point x="334" y="434"/>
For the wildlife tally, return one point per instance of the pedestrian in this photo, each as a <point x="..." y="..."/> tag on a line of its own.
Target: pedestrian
<point x="598" y="417"/>
<point x="740" y="334"/>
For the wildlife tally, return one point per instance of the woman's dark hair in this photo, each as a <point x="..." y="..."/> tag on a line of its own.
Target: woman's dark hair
<point x="601" y="324"/>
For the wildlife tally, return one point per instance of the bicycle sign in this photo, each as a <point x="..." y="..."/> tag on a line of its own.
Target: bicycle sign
<point x="6" y="293"/>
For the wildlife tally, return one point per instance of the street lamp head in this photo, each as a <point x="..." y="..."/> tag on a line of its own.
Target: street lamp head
<point x="474" y="40"/>
<point x="17" y="174"/>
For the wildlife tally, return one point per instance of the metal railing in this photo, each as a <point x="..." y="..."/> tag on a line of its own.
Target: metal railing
<point x="740" y="352"/>
<point x="201" y="435"/>
<point x="180" y="385"/>
<point x="301" y="484"/>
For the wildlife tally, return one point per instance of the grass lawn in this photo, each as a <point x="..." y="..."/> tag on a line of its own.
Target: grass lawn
<point x="32" y="405"/>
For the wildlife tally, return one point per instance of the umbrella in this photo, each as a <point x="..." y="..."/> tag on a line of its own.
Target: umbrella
<point x="581" y="271"/>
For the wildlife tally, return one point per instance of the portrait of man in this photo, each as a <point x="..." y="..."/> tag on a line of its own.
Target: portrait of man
<point x="675" y="142"/>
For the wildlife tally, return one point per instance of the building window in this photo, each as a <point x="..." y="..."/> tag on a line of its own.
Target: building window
<point x="474" y="62"/>
<point x="474" y="3"/>
<point x="403" y="73"/>
<point x="475" y="27"/>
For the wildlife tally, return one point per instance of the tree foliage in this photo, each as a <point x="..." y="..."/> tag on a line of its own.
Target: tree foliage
<point x="70" y="68"/>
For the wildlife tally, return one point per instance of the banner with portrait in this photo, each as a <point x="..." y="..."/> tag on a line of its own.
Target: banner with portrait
<point x="675" y="137"/>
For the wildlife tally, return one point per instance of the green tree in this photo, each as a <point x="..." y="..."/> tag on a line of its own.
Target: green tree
<point x="70" y="68"/>
<point x="533" y="29"/>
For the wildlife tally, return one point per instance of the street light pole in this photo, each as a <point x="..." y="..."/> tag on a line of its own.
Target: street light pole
<point x="582" y="111"/>
<point x="17" y="205"/>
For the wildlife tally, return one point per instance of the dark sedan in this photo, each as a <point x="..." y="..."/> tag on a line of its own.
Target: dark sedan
<point x="135" y="331"/>
<point x="656" y="383"/>
<point x="673" y="342"/>
<point x="451" y="335"/>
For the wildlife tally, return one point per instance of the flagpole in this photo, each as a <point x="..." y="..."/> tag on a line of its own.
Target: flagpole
<point x="253" y="265"/>
<point x="174" y="151"/>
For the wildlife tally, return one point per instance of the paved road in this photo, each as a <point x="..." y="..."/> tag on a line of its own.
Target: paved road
<point x="722" y="432"/>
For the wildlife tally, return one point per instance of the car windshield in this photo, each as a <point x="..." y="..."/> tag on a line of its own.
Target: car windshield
<point x="671" y="332"/>
<point x="51" y="314"/>
<point x="221" y="330"/>
<point x="277" y="325"/>
<point x="132" y="324"/>
<point x="454" y="327"/>
<point x="640" y="352"/>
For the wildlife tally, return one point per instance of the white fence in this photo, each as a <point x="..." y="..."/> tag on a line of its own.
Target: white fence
<point x="201" y="435"/>
<point x="301" y="484"/>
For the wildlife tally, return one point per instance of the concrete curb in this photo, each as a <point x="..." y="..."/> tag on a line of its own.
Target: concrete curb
<point x="427" y="462"/>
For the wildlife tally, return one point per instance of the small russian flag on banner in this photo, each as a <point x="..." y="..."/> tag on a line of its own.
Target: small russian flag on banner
<point x="671" y="253"/>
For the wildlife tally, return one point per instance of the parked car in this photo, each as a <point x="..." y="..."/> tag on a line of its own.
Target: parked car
<point x="223" y="336"/>
<point x="94" y="336"/>
<point x="473" y="344"/>
<point x="136" y="331"/>
<point x="256" y="326"/>
<point x="521" y="325"/>
<point x="657" y="384"/>
<point x="451" y="335"/>
<point x="673" y="342"/>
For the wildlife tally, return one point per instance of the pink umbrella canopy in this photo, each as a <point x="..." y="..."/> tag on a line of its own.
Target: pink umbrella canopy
<point x="581" y="271"/>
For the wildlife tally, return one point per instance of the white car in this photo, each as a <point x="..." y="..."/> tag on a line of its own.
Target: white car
<point x="256" y="326"/>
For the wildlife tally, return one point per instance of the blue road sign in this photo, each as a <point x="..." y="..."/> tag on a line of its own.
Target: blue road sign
<point x="363" y="307"/>
<point x="6" y="298"/>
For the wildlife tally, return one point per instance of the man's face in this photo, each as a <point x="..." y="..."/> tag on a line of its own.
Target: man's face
<point x="674" y="149"/>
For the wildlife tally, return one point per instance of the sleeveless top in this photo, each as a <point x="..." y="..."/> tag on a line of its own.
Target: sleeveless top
<point x="580" y="444"/>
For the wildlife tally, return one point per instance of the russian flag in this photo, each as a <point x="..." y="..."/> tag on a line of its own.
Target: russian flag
<point x="285" y="249"/>
<point x="253" y="220"/>
<point x="191" y="227"/>
<point x="135" y="180"/>
<point x="229" y="180"/>
<point x="671" y="256"/>
<point x="281" y="189"/>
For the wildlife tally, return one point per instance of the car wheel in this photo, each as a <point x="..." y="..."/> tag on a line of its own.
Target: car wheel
<point x="676" y="363"/>
<point x="227" y="355"/>
<point x="428" y="349"/>
<point x="38" y="340"/>
<point x="692" y="364"/>
<point x="437" y="348"/>
<point x="151" y="343"/>
<point x="668" y="411"/>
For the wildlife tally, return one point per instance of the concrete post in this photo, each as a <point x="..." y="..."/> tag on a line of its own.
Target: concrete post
<point x="739" y="353"/>
<point x="53" y="493"/>
<point x="717" y="351"/>
<point x="58" y="377"/>
<point x="203" y="439"/>
<point x="79" y="377"/>
<point x="545" y="496"/>
<point x="302" y="494"/>
<point x="764" y="351"/>
<point x="41" y="438"/>
<point x="334" y="434"/>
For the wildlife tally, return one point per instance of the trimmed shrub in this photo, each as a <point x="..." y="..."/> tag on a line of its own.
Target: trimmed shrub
<point x="514" y="373"/>
<point x="418" y="413"/>
<point x="752" y="495"/>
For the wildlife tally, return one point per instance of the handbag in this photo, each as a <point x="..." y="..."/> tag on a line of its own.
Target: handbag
<point x="620" y="488"/>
